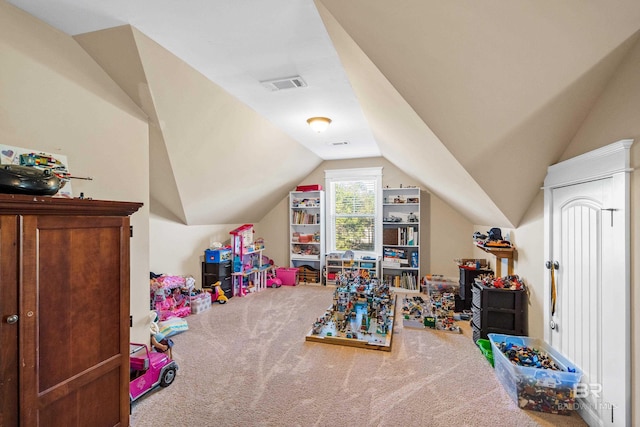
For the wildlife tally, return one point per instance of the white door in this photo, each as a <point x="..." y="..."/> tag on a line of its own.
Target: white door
<point x="587" y="307"/>
<point x="582" y="240"/>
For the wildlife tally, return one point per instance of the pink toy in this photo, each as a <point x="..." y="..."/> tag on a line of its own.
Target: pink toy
<point x="272" y="280"/>
<point x="148" y="370"/>
<point x="217" y="294"/>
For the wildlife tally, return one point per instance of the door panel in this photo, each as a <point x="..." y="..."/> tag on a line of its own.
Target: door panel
<point x="581" y="250"/>
<point x="9" y="331"/>
<point x="80" y="322"/>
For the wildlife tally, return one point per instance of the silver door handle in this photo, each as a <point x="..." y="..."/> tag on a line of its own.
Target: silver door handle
<point x="12" y="319"/>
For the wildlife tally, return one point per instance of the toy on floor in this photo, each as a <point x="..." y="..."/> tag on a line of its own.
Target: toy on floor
<point x="272" y="280"/>
<point x="217" y="294"/>
<point x="159" y="341"/>
<point x="148" y="370"/>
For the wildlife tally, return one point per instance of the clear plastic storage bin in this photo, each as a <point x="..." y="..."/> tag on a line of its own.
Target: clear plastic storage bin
<point x="538" y="389"/>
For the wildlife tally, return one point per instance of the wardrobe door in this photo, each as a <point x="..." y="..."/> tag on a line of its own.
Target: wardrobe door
<point x="76" y="289"/>
<point x="9" y="328"/>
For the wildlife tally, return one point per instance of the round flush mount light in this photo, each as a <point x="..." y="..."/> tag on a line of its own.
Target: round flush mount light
<point x="319" y="124"/>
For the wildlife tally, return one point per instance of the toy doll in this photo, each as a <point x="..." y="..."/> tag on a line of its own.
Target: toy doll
<point x="158" y="341"/>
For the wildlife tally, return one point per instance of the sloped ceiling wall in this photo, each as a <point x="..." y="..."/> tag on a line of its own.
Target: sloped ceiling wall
<point x="212" y="156"/>
<point x="117" y="53"/>
<point x="404" y="138"/>
<point x="504" y="86"/>
<point x="472" y="99"/>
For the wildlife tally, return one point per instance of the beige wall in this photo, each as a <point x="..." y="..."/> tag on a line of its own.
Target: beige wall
<point x="444" y="234"/>
<point x="614" y="117"/>
<point x="176" y="248"/>
<point x="55" y="98"/>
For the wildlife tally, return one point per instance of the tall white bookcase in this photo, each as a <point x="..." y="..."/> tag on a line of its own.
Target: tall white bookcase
<point x="401" y="237"/>
<point x="306" y="233"/>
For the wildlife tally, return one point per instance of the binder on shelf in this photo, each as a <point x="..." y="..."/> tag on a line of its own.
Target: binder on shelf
<point x="389" y="236"/>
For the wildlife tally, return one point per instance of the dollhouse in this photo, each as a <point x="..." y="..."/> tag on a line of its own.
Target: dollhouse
<point x="249" y="269"/>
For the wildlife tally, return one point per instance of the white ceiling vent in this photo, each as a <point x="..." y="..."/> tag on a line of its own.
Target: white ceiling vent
<point x="284" y="83"/>
<point x="339" y="143"/>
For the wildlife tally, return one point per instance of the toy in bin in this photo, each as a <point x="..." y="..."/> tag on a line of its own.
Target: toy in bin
<point x="536" y="376"/>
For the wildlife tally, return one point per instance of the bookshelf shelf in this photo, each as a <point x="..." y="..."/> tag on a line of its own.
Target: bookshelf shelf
<point x="401" y="238"/>
<point x="306" y="233"/>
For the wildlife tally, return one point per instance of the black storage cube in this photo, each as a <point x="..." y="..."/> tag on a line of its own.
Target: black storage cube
<point x="502" y="320"/>
<point x="475" y="332"/>
<point x="477" y="315"/>
<point x="214" y="272"/>
<point x="458" y="304"/>
<point x="499" y="311"/>
<point x="227" y="287"/>
<point x="484" y="296"/>
<point x="222" y="269"/>
<point x="467" y="277"/>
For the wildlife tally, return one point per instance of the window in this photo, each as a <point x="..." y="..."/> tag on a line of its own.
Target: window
<point x="353" y="212"/>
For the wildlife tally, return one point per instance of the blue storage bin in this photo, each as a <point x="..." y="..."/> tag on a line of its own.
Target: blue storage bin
<point x="538" y="389"/>
<point x="216" y="256"/>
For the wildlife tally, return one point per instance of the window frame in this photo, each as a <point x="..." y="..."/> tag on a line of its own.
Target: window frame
<point x="359" y="174"/>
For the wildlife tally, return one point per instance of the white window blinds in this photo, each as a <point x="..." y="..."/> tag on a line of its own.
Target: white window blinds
<point x="352" y="204"/>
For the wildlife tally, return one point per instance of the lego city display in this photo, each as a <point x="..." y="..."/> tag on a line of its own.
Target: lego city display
<point x="436" y="309"/>
<point x="362" y="314"/>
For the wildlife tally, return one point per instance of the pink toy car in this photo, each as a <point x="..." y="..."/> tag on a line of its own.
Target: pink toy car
<point x="148" y="369"/>
<point x="272" y="280"/>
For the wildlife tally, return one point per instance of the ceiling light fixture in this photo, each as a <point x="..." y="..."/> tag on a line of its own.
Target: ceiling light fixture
<point x="319" y="124"/>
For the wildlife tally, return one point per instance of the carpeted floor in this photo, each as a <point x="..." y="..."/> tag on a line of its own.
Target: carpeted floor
<point x="246" y="363"/>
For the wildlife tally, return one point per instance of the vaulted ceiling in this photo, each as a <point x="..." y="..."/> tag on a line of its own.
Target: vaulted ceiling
<point x="473" y="99"/>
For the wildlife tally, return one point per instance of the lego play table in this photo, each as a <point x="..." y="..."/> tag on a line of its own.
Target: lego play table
<point x="362" y="315"/>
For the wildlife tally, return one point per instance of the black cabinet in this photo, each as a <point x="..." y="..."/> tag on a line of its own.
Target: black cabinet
<point x="467" y="277"/>
<point x="498" y="311"/>
<point x="214" y="272"/>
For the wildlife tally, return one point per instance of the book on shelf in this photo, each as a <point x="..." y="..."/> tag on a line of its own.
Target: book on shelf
<point x="394" y="253"/>
<point x="404" y="281"/>
<point x="302" y="217"/>
<point x="389" y="236"/>
<point x="400" y="236"/>
<point x="394" y="262"/>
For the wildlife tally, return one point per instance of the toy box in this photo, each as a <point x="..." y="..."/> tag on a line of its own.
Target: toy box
<point x="433" y="283"/>
<point x="311" y="187"/>
<point x="538" y="389"/>
<point x="200" y="303"/>
<point x="216" y="256"/>
<point x="289" y="276"/>
<point x="308" y="274"/>
<point x="305" y="238"/>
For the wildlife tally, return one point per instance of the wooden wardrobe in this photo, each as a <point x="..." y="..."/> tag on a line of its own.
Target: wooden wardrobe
<point x="64" y="295"/>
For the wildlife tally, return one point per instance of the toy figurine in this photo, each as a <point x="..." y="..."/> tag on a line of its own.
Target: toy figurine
<point x="158" y="340"/>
